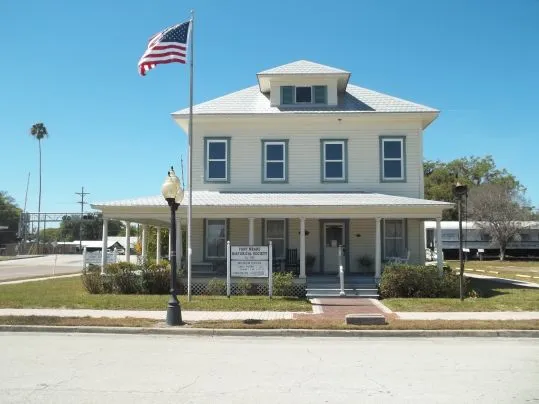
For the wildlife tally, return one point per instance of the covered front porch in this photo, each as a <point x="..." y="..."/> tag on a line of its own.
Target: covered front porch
<point x="306" y="230"/>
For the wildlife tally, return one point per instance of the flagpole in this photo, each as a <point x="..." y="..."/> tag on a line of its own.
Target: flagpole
<point x="190" y="160"/>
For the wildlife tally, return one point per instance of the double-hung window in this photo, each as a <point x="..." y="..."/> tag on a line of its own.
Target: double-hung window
<point x="394" y="238"/>
<point x="392" y="164"/>
<point x="276" y="233"/>
<point x="274" y="161"/>
<point x="215" y="238"/>
<point x="334" y="160"/>
<point x="217" y="159"/>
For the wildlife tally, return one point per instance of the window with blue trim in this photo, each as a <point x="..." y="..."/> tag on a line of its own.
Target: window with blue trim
<point x="274" y="161"/>
<point x="216" y="160"/>
<point x="392" y="159"/>
<point x="333" y="160"/>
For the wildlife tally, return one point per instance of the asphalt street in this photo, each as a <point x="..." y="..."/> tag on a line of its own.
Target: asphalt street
<point x="86" y="368"/>
<point x="40" y="266"/>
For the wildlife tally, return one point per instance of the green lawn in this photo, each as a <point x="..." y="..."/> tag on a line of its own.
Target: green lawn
<point x="495" y="296"/>
<point x="69" y="293"/>
<point x="502" y="269"/>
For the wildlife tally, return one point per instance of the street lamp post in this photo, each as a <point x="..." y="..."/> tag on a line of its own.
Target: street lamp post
<point x="460" y="191"/>
<point x="173" y="194"/>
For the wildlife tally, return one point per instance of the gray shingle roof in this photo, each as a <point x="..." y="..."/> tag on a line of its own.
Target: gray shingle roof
<point x="304" y="67"/>
<point x="355" y="100"/>
<point x="215" y="198"/>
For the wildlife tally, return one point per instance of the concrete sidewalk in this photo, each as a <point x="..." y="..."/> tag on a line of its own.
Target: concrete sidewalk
<point x="152" y="314"/>
<point x="478" y="315"/>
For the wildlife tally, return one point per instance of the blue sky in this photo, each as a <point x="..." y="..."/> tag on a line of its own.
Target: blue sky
<point x="73" y="66"/>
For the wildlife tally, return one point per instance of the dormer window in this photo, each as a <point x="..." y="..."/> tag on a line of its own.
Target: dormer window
<point x="303" y="95"/>
<point x="291" y="95"/>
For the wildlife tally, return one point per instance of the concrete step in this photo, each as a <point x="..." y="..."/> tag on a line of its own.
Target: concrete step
<point x="336" y="292"/>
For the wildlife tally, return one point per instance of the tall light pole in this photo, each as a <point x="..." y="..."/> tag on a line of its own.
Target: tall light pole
<point x="460" y="191"/>
<point x="173" y="193"/>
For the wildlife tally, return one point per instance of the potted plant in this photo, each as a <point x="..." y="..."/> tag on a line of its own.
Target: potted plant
<point x="365" y="264"/>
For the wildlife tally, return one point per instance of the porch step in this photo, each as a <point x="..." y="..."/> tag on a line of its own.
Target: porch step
<point x="370" y="293"/>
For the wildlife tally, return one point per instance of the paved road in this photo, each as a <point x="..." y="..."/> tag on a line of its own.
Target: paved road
<point x="84" y="368"/>
<point x="39" y="266"/>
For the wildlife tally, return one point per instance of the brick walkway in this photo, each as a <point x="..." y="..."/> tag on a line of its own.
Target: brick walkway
<point x="335" y="308"/>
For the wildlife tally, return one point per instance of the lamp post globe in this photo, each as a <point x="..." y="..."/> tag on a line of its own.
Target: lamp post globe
<point x="173" y="194"/>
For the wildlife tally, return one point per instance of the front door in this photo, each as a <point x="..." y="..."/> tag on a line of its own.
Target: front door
<point x="333" y="238"/>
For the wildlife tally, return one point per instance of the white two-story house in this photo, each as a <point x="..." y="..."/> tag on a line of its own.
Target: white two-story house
<point x="310" y="162"/>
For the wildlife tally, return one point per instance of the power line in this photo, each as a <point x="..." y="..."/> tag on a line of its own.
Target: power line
<point x="82" y="203"/>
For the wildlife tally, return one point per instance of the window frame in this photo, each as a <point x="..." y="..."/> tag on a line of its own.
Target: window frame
<point x="313" y="95"/>
<point x="284" y="238"/>
<point x="403" y="237"/>
<point x="284" y="143"/>
<point x="344" y="160"/>
<point x="208" y="257"/>
<point x="207" y="142"/>
<point x="402" y="159"/>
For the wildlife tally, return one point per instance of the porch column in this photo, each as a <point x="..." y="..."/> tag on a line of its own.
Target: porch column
<point x="104" y="245"/>
<point x="158" y="245"/>
<point x="378" y="251"/>
<point x="251" y="231"/>
<point x="128" y="241"/>
<point x="302" y="247"/>
<point x="439" y="252"/>
<point x="144" y="242"/>
<point x="179" y="241"/>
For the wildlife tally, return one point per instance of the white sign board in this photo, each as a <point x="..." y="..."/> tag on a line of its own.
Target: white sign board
<point x="249" y="261"/>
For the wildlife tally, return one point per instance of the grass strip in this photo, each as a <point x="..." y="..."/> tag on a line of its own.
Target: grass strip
<point x="77" y="321"/>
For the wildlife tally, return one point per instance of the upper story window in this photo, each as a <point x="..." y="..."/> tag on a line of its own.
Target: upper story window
<point x="392" y="164"/>
<point x="291" y="95"/>
<point x="274" y="167"/>
<point x="334" y="164"/>
<point x="217" y="158"/>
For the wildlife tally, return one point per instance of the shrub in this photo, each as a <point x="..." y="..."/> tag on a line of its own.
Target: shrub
<point x="156" y="280"/>
<point x="92" y="281"/>
<point x="216" y="287"/>
<point x="283" y="284"/>
<point x="118" y="267"/>
<point x="126" y="282"/>
<point x="243" y="287"/>
<point x="417" y="281"/>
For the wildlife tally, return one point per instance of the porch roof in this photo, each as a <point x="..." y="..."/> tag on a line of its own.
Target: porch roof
<point x="276" y="199"/>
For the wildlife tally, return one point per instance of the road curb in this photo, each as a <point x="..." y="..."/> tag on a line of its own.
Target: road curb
<point x="273" y="333"/>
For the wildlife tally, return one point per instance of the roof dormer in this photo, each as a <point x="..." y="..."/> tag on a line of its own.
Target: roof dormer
<point x="303" y="83"/>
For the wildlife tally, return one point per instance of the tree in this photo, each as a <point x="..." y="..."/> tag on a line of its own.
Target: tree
<point x="39" y="131"/>
<point x="473" y="171"/>
<point x="92" y="227"/>
<point x="498" y="211"/>
<point x="9" y="216"/>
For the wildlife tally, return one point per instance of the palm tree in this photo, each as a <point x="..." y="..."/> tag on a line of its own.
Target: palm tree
<point x="39" y="131"/>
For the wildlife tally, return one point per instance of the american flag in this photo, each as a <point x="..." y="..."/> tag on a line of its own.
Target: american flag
<point x="168" y="46"/>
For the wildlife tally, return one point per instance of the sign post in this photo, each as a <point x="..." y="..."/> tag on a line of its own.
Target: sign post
<point x="270" y="278"/>
<point x="228" y="269"/>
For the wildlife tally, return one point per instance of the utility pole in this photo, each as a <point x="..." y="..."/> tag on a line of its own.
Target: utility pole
<point x="82" y="203"/>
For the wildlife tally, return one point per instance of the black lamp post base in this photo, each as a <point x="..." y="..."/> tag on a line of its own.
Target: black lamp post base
<point x="174" y="314"/>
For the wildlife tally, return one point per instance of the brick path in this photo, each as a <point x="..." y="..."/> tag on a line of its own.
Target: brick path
<point x="335" y="308"/>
